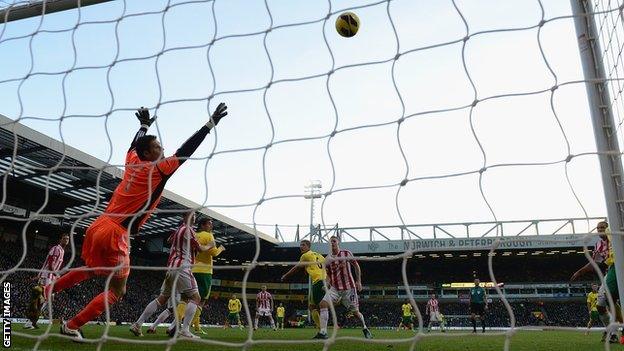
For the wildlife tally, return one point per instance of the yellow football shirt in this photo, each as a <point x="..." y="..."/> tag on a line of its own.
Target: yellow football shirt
<point x="234" y="306"/>
<point x="610" y="257"/>
<point x="315" y="271"/>
<point x="280" y="311"/>
<point x="592" y="300"/>
<point x="407" y="310"/>
<point x="203" y="260"/>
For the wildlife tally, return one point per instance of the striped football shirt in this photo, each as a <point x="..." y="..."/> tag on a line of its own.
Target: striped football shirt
<point x="339" y="270"/>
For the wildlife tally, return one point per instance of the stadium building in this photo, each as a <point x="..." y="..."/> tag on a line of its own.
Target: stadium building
<point x="53" y="188"/>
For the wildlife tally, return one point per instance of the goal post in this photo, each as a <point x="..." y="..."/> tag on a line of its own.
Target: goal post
<point x="43" y="7"/>
<point x="604" y="126"/>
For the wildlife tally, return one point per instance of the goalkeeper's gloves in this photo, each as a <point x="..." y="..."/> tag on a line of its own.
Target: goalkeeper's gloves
<point x="219" y="113"/>
<point x="143" y="116"/>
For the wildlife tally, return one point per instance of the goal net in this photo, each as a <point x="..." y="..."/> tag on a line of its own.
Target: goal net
<point x="447" y="141"/>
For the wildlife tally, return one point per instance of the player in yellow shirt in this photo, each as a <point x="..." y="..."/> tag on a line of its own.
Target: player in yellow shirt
<point x="234" y="308"/>
<point x="313" y="263"/>
<point x="202" y="270"/>
<point x="592" y="301"/>
<point x="610" y="284"/>
<point x="281" y="311"/>
<point x="406" y="320"/>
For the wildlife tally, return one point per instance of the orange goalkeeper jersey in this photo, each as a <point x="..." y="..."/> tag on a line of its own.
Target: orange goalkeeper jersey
<point x="143" y="182"/>
<point x="140" y="190"/>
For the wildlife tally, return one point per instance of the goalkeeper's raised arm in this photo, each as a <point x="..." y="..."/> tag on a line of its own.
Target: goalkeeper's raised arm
<point x="148" y="148"/>
<point x="189" y="147"/>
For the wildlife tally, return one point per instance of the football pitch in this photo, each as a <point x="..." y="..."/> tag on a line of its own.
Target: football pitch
<point x="300" y="340"/>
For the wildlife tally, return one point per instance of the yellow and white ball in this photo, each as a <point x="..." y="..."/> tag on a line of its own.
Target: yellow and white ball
<point x="347" y="24"/>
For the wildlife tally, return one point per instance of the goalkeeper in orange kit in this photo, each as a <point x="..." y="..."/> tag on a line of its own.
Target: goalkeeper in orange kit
<point x="105" y="250"/>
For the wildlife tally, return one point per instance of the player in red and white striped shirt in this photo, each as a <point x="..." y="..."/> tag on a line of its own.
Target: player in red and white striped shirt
<point x="599" y="254"/>
<point x="184" y="247"/>
<point x="339" y="271"/>
<point x="53" y="262"/>
<point x="264" y="307"/>
<point x="433" y="310"/>
<point x="47" y="275"/>
<point x="343" y="287"/>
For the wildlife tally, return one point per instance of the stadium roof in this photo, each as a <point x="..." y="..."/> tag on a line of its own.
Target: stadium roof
<point x="85" y="184"/>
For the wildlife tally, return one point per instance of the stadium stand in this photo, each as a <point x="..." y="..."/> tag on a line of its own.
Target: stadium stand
<point x="539" y="289"/>
<point x="564" y="310"/>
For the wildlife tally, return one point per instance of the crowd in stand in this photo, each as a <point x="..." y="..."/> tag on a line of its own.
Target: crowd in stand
<point x="144" y="285"/>
<point x="437" y="270"/>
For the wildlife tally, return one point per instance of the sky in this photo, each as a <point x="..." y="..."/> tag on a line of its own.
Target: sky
<point x="77" y="76"/>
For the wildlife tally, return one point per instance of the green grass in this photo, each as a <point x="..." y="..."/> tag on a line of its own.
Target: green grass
<point x="300" y="340"/>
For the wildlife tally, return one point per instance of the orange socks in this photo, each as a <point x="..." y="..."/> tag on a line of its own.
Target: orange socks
<point x="93" y="309"/>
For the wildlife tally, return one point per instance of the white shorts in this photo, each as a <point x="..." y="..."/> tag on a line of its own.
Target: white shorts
<point x="264" y="312"/>
<point x="435" y="317"/>
<point x="348" y="298"/>
<point x="602" y="299"/>
<point x="185" y="285"/>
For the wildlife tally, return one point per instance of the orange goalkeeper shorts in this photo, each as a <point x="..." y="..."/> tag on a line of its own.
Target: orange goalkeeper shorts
<point x="106" y="245"/>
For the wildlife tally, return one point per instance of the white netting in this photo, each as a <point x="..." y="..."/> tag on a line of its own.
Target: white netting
<point x="607" y="30"/>
<point x="402" y="115"/>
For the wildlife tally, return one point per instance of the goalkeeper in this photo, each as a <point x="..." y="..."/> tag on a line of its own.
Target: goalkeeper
<point x="106" y="247"/>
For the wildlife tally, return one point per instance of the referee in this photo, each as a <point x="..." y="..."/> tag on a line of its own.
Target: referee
<point x="478" y="305"/>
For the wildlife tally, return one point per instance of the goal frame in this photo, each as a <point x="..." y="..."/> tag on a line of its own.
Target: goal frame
<point x="44" y="7"/>
<point x="604" y="126"/>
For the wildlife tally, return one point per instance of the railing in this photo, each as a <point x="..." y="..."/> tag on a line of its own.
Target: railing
<point x="290" y="233"/>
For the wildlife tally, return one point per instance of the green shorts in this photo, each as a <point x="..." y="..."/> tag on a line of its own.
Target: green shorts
<point x="407" y="320"/>
<point x="233" y="318"/>
<point x="36" y="298"/>
<point x="280" y="320"/>
<point x="317" y="293"/>
<point x="594" y="316"/>
<point x="34" y="308"/>
<point x="611" y="282"/>
<point x="204" y="284"/>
